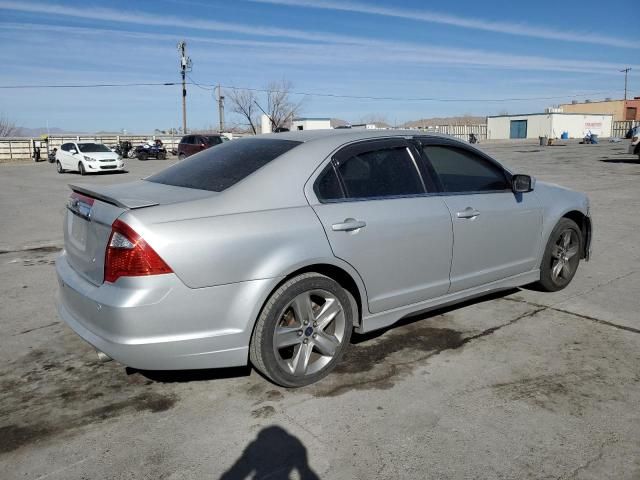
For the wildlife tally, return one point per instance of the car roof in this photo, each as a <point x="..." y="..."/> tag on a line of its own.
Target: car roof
<point x="346" y="135"/>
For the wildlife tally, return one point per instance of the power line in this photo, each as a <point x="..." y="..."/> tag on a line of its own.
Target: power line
<point x="90" y="85"/>
<point x="210" y="87"/>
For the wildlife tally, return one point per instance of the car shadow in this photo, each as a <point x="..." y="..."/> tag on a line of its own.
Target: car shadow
<point x="183" y="376"/>
<point x="635" y="161"/>
<point x="273" y="454"/>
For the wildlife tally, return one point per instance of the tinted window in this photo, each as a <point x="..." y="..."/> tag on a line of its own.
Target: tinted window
<point x="380" y="173"/>
<point x="65" y="147"/>
<point x="186" y="140"/>
<point x="328" y="186"/>
<point x="216" y="169"/>
<point x="213" y="140"/>
<point x="463" y="171"/>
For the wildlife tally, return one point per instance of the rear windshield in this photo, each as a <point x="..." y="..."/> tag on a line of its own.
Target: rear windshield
<point x="92" y="147"/>
<point x="216" y="169"/>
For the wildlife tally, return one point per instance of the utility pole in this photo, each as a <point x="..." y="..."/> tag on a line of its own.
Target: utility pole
<point x="221" y="108"/>
<point x="185" y="66"/>
<point x="626" y="73"/>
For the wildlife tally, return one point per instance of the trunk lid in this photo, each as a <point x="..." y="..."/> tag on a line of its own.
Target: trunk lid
<point x="92" y="209"/>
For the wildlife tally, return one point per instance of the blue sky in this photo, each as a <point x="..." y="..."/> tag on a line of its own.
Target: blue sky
<point x="453" y="51"/>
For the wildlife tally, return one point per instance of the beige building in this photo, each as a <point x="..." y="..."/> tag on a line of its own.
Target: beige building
<point x="620" y="109"/>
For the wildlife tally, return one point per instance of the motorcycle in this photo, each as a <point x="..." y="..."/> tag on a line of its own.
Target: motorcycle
<point x="473" y="138"/>
<point x="123" y="148"/>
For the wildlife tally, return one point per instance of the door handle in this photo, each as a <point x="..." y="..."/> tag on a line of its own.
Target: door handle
<point x="468" y="213"/>
<point x="349" y="225"/>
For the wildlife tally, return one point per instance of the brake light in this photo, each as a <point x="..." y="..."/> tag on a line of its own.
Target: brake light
<point x="634" y="139"/>
<point x="128" y="255"/>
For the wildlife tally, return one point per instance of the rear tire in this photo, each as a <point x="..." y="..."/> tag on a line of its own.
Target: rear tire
<point x="142" y="156"/>
<point x="303" y="331"/>
<point x="83" y="172"/>
<point x="181" y="156"/>
<point x="561" y="256"/>
<point x="59" y="167"/>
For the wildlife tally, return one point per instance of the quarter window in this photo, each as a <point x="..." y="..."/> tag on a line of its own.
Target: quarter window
<point x="379" y="173"/>
<point x="463" y="171"/>
<point x="328" y="187"/>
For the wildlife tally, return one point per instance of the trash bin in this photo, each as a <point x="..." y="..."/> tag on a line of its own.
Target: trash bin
<point x="594" y="139"/>
<point x="565" y="136"/>
<point x="543" y="141"/>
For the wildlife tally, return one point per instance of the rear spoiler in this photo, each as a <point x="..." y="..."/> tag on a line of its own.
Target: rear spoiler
<point x="128" y="203"/>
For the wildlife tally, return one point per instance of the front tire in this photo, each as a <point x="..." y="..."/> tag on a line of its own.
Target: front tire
<point x="83" y="172"/>
<point x="59" y="168"/>
<point x="561" y="256"/>
<point x="303" y="331"/>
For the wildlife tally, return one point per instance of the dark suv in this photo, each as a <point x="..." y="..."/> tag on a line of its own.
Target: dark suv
<point x="191" y="144"/>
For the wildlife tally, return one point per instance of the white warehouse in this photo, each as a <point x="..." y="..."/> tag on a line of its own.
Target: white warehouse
<point x="310" y="124"/>
<point x="551" y="125"/>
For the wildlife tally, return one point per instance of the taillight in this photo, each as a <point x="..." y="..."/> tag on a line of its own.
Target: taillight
<point x="634" y="139"/>
<point x="128" y="255"/>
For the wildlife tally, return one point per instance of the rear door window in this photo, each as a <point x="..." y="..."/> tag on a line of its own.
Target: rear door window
<point x="216" y="169"/>
<point x="379" y="173"/>
<point x="462" y="171"/>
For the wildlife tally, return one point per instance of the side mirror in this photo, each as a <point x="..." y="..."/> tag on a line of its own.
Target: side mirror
<point x="73" y="151"/>
<point x="522" y="183"/>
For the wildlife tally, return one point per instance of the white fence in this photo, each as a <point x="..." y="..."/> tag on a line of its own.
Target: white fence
<point x="462" y="131"/>
<point x="22" y="149"/>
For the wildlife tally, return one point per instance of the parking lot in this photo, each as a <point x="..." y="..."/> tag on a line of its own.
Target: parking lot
<point x="517" y="385"/>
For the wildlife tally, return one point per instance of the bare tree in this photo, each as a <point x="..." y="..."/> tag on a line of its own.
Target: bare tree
<point x="244" y="103"/>
<point x="7" y="128"/>
<point x="280" y="108"/>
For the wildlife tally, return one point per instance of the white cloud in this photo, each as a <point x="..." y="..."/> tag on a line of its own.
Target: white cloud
<point x="520" y="29"/>
<point x="325" y="47"/>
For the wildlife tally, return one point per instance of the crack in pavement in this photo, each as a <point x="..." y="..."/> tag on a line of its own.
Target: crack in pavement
<point x="599" y="285"/>
<point x="35" y="328"/>
<point x="579" y="315"/>
<point x="41" y="249"/>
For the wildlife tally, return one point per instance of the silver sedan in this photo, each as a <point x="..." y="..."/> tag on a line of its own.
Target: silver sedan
<point x="273" y="249"/>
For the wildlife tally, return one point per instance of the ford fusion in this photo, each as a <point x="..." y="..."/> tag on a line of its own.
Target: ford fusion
<point x="274" y="249"/>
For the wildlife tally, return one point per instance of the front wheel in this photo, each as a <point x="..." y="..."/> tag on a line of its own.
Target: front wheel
<point x="561" y="257"/>
<point x="303" y="331"/>
<point x="83" y="172"/>
<point x="59" y="167"/>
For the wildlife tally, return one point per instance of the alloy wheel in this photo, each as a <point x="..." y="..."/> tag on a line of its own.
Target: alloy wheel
<point x="309" y="332"/>
<point x="562" y="253"/>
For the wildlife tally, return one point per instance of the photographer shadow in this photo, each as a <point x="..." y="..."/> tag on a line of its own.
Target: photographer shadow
<point x="274" y="454"/>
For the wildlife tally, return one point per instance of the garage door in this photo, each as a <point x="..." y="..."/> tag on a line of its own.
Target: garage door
<point x="518" y="129"/>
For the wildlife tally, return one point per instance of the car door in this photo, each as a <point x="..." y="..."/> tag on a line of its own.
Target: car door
<point x="66" y="157"/>
<point x="382" y="217"/>
<point x="496" y="233"/>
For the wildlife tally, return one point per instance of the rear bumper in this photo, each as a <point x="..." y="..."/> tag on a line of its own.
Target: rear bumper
<point x="157" y="323"/>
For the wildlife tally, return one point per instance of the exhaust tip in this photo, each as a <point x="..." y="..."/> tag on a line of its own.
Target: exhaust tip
<point x="103" y="357"/>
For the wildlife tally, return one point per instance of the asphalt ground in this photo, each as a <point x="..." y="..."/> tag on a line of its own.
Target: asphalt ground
<point x="520" y="384"/>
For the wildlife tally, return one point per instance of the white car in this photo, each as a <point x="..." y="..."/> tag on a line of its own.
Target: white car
<point x="634" y="146"/>
<point x="87" y="157"/>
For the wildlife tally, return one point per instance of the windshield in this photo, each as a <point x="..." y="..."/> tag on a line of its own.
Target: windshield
<point x="92" y="147"/>
<point x="216" y="169"/>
